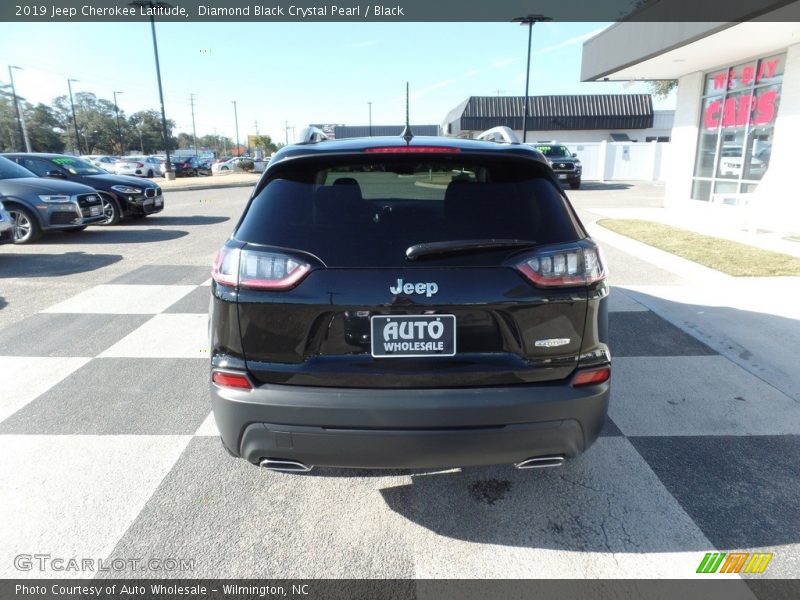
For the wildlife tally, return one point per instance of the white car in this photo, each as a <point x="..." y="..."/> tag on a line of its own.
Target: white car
<point x="234" y="165"/>
<point x="140" y="166"/>
<point x="102" y="161"/>
<point x="731" y="159"/>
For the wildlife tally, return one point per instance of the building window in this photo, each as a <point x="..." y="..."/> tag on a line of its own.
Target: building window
<point x="740" y="104"/>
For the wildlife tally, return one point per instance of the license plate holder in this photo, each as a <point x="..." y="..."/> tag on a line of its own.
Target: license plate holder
<point x="408" y="336"/>
<point x="94" y="211"/>
<point x="562" y="176"/>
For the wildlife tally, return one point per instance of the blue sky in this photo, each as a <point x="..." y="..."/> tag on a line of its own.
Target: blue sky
<point x="298" y="72"/>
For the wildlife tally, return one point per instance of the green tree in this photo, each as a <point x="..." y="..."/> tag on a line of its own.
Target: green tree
<point x="265" y="143"/>
<point x="96" y="121"/>
<point x="44" y="128"/>
<point x="145" y="127"/>
<point x="9" y="136"/>
<point x="661" y="88"/>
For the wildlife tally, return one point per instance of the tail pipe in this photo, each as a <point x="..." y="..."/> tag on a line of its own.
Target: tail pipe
<point x="285" y="466"/>
<point x="541" y="462"/>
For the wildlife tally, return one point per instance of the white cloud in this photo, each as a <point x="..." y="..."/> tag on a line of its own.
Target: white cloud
<point x="504" y="62"/>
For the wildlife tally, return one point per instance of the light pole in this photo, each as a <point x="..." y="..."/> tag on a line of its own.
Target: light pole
<point x="23" y="134"/>
<point x="169" y="174"/>
<point x="528" y="20"/>
<point x="194" y="131"/>
<point x="119" y="129"/>
<point x="370" y="118"/>
<point x="236" y="121"/>
<point x="74" y="120"/>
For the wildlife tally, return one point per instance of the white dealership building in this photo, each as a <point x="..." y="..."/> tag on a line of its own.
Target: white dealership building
<point x="735" y="138"/>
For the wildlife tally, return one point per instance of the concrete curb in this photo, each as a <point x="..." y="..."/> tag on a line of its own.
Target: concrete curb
<point x="209" y="186"/>
<point x="660" y="258"/>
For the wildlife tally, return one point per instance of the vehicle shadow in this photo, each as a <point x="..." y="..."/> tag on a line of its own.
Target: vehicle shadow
<point x="109" y="235"/>
<point x="166" y="221"/>
<point x="54" y="265"/>
<point x="708" y="453"/>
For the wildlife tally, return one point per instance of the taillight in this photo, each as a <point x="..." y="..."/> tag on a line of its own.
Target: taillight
<point x="575" y="265"/>
<point x="232" y="380"/>
<point x="413" y="150"/>
<point x="591" y="376"/>
<point x="257" y="269"/>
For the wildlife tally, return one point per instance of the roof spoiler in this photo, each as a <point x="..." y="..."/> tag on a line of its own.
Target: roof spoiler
<point x="501" y="135"/>
<point x="312" y="135"/>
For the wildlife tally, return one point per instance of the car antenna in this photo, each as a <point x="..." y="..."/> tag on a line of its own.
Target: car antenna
<point x="407" y="134"/>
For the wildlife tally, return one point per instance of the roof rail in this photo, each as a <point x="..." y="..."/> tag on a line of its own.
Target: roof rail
<point x="502" y="135"/>
<point x="311" y="135"/>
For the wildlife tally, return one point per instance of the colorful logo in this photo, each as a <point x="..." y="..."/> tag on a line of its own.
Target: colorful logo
<point x="734" y="562"/>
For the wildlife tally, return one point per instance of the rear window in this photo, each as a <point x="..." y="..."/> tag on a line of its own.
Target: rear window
<point x="367" y="213"/>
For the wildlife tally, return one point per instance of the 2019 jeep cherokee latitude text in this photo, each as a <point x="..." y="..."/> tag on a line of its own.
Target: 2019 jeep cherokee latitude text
<point x="384" y="304"/>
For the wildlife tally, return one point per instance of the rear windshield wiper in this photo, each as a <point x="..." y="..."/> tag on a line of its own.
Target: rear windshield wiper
<point x="455" y="246"/>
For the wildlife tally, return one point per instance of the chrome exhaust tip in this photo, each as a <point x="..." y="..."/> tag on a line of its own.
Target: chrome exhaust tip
<point x="284" y="466"/>
<point x="540" y="462"/>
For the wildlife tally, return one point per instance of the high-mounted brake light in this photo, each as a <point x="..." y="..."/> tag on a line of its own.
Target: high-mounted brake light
<point x="255" y="269"/>
<point x="577" y="265"/>
<point x="413" y="150"/>
<point x="232" y="380"/>
<point x="591" y="376"/>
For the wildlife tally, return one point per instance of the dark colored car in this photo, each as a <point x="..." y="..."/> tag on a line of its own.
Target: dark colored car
<point x="565" y="164"/>
<point x="188" y="166"/>
<point x="383" y="304"/>
<point x="36" y="205"/>
<point x="122" y="195"/>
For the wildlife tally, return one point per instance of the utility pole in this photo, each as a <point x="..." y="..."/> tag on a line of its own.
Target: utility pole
<point x="74" y="121"/>
<point x="216" y="142"/>
<point x="370" y="118"/>
<point x="23" y="133"/>
<point x="256" y="127"/>
<point x="528" y="20"/>
<point x="286" y="130"/>
<point x="169" y="174"/>
<point x="194" y="131"/>
<point x="119" y="129"/>
<point x="236" y="121"/>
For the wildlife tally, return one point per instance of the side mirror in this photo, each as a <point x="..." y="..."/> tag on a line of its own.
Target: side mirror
<point x="574" y="155"/>
<point x="56" y="173"/>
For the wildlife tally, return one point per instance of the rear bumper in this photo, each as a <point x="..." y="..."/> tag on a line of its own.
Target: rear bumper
<point x="422" y="428"/>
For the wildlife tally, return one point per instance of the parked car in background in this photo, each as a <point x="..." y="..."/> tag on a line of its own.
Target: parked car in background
<point x="140" y="166"/>
<point x="36" y="205"/>
<point x="565" y="164"/>
<point x="186" y="166"/>
<point x="731" y="160"/>
<point x="101" y="160"/>
<point x="359" y="319"/>
<point x="259" y="166"/>
<point x="6" y="226"/>
<point x="234" y="164"/>
<point x="121" y="195"/>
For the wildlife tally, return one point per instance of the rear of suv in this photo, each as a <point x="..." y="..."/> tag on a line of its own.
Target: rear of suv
<point x="408" y="304"/>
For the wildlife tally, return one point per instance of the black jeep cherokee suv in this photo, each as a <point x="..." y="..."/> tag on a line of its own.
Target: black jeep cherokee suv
<point x="394" y="304"/>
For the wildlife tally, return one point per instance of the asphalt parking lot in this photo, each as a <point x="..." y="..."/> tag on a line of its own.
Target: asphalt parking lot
<point x="110" y="450"/>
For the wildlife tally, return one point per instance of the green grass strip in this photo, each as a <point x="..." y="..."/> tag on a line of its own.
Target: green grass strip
<point x="733" y="258"/>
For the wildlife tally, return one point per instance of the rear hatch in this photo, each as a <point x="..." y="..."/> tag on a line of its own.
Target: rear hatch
<point x="391" y="269"/>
